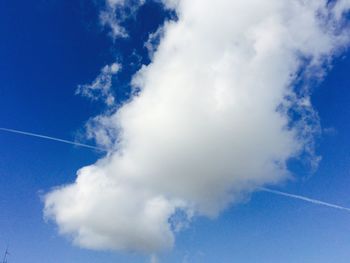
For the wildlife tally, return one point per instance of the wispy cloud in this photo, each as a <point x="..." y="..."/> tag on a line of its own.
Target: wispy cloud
<point x="100" y="88"/>
<point x="115" y="12"/>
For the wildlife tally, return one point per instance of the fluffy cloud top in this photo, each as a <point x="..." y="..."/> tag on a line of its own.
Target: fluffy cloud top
<point x="211" y="123"/>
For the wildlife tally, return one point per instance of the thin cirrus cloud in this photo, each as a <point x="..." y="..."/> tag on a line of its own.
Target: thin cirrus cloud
<point x="211" y="123"/>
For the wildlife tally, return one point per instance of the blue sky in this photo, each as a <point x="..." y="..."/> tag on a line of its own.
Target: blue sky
<point x="47" y="49"/>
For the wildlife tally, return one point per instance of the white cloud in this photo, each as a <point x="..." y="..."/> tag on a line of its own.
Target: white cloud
<point x="341" y="7"/>
<point x="100" y="88"/>
<point x="153" y="41"/>
<point x="115" y="12"/>
<point x="210" y="124"/>
<point x="171" y="4"/>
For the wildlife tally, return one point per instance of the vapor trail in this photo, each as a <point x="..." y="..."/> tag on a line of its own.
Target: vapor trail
<point x="52" y="139"/>
<point x="299" y="197"/>
<point x="303" y="198"/>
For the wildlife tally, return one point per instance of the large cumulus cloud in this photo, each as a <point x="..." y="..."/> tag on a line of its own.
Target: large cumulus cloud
<point x="210" y="120"/>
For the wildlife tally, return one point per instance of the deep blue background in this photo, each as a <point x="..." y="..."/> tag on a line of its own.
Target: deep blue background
<point x="49" y="47"/>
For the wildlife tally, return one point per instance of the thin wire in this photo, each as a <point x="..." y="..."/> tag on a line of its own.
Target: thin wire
<point x="6" y="254"/>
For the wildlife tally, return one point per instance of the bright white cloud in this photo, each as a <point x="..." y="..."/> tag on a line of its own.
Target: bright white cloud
<point x="210" y="124"/>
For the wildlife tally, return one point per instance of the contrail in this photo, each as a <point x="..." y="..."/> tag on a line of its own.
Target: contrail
<point x="306" y="199"/>
<point x="299" y="197"/>
<point x="52" y="139"/>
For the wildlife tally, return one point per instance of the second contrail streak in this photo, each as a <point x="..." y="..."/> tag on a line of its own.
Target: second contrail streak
<point x="306" y="199"/>
<point x="52" y="139"/>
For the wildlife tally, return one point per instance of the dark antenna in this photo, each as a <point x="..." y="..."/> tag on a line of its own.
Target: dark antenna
<point x="5" y="255"/>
